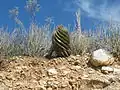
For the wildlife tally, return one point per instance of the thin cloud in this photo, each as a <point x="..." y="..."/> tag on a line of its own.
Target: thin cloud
<point x="69" y="6"/>
<point x="103" y="10"/>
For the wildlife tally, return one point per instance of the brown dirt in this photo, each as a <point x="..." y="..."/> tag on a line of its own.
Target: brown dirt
<point x="72" y="73"/>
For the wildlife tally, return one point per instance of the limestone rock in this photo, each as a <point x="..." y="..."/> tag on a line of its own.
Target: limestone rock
<point x="107" y="69"/>
<point x="101" y="57"/>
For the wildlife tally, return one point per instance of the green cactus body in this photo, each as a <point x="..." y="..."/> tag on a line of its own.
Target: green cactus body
<point x="61" y="42"/>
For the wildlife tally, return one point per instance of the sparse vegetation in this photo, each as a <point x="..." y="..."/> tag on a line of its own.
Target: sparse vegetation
<point x="37" y="41"/>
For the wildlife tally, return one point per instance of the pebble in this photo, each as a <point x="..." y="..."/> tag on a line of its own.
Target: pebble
<point x="52" y="71"/>
<point x="107" y="69"/>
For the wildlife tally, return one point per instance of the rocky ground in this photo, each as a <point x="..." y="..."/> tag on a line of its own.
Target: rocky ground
<point x="72" y="73"/>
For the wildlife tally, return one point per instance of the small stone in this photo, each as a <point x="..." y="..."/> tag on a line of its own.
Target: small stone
<point x="65" y="72"/>
<point x="64" y="84"/>
<point x="91" y="72"/>
<point x="49" y="88"/>
<point x="42" y="88"/>
<point x="84" y="76"/>
<point x="52" y="71"/>
<point x="42" y="82"/>
<point x="75" y="67"/>
<point x="78" y="55"/>
<point x="107" y="69"/>
<point x="73" y="57"/>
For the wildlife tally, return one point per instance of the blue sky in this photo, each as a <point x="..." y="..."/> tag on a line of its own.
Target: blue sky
<point x="63" y="12"/>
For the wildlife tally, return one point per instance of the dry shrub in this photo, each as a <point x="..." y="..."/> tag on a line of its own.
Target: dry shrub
<point x="79" y="43"/>
<point x="38" y="41"/>
<point x="4" y="41"/>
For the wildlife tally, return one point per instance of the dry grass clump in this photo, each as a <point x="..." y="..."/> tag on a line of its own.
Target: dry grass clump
<point x="34" y="43"/>
<point x="79" y="43"/>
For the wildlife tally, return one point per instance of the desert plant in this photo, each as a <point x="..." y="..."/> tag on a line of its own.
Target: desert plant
<point x="38" y="41"/>
<point x="79" y="43"/>
<point x="111" y="39"/>
<point x="32" y="7"/>
<point x="60" y="43"/>
<point x="78" y="21"/>
<point x="17" y="36"/>
<point x="4" y="41"/>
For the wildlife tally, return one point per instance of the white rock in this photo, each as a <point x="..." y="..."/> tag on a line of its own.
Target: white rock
<point x="52" y="71"/>
<point x="101" y="57"/>
<point x="107" y="69"/>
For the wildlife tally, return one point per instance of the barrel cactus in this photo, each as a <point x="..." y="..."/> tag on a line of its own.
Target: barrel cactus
<point x="60" y="42"/>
